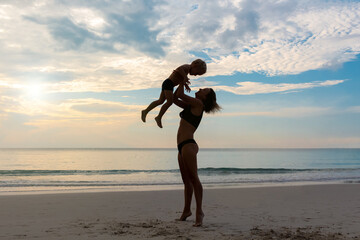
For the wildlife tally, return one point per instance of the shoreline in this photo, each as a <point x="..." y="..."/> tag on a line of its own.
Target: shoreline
<point x="166" y="187"/>
<point x="328" y="211"/>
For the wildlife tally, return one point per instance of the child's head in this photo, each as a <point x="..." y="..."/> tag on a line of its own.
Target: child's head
<point x="198" y="67"/>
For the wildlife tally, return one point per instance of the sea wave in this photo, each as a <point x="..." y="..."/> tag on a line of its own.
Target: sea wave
<point x="201" y="171"/>
<point x="160" y="183"/>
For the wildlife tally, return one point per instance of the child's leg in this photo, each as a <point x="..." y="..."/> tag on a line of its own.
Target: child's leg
<point x="169" y="100"/>
<point x="152" y="106"/>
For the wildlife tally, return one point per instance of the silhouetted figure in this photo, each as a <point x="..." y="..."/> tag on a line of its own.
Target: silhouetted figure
<point x="205" y="100"/>
<point x="179" y="75"/>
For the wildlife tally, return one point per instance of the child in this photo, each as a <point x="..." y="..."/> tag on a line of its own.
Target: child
<point x="197" y="67"/>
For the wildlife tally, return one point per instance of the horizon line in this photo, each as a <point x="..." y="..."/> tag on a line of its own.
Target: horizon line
<point x="159" y="148"/>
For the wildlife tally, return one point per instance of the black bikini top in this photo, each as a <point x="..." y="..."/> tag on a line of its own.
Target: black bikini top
<point x="187" y="115"/>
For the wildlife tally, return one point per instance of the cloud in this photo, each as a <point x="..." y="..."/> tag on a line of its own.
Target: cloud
<point x="231" y="26"/>
<point x="273" y="37"/>
<point x="15" y="121"/>
<point x="290" y="112"/>
<point x="102" y="107"/>
<point x="130" y="45"/>
<point x="86" y="109"/>
<point x="294" y="112"/>
<point x="67" y="33"/>
<point x="96" y="27"/>
<point x="353" y="109"/>
<point x="250" y="88"/>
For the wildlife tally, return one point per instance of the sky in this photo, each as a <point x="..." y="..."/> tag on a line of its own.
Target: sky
<point x="76" y="74"/>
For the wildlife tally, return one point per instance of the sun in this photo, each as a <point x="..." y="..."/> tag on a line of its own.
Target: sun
<point x="34" y="91"/>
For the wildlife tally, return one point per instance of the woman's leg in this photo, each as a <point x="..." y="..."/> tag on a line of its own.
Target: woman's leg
<point x="169" y="100"/>
<point x="152" y="105"/>
<point x="188" y="189"/>
<point x="189" y="152"/>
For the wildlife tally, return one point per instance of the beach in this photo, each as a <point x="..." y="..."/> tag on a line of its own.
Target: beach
<point x="325" y="211"/>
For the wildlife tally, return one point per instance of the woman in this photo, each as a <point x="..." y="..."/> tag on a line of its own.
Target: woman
<point x="205" y="100"/>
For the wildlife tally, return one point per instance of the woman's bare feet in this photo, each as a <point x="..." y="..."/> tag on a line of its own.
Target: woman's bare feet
<point x="158" y="121"/>
<point x="184" y="216"/>
<point x="199" y="219"/>
<point x="143" y="115"/>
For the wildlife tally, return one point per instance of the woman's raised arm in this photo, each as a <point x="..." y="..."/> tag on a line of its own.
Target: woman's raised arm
<point x="185" y="98"/>
<point x="177" y="99"/>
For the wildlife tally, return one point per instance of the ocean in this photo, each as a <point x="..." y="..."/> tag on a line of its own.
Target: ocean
<point x="66" y="170"/>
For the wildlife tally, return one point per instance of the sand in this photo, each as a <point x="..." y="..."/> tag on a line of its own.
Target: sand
<point x="330" y="211"/>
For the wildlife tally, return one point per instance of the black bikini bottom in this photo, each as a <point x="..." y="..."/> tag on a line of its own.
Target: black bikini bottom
<point x="168" y="85"/>
<point x="183" y="143"/>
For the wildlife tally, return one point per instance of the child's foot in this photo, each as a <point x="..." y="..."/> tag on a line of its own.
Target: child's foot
<point x="199" y="219"/>
<point x="143" y="115"/>
<point x="158" y="121"/>
<point x="184" y="216"/>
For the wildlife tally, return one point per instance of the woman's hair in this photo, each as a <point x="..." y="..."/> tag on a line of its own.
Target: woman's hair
<point x="210" y="105"/>
<point x="200" y="64"/>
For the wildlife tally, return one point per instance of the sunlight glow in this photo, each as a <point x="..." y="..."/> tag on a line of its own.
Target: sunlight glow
<point x="34" y="91"/>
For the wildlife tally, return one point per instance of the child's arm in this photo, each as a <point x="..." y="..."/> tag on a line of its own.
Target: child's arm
<point x="183" y="70"/>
